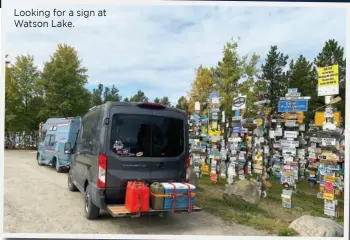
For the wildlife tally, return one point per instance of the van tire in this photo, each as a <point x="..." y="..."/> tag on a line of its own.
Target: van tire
<point x="71" y="186"/>
<point x="58" y="169"/>
<point x="38" y="159"/>
<point x="91" y="210"/>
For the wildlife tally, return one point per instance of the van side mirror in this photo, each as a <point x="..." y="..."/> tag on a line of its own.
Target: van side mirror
<point x="67" y="148"/>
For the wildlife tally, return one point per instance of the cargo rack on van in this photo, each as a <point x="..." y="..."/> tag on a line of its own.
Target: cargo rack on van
<point x="119" y="210"/>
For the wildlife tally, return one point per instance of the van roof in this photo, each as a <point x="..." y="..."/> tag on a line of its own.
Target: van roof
<point x="135" y="104"/>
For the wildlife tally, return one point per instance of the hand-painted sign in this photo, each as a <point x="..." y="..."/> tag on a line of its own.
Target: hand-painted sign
<point x="239" y="103"/>
<point x="293" y="106"/>
<point x="328" y="80"/>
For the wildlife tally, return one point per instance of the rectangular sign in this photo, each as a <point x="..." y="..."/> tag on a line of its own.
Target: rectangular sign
<point x="289" y="144"/>
<point x="291" y="134"/>
<point x="291" y="123"/>
<point x="320" y="118"/>
<point x="294" y="98"/>
<point x="292" y="106"/>
<point x="328" y="80"/>
<point x="295" y="94"/>
<point x="292" y="90"/>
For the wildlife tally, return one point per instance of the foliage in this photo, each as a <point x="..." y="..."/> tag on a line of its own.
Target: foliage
<point x="58" y="90"/>
<point x="273" y="70"/>
<point x="139" y="97"/>
<point x="62" y="80"/>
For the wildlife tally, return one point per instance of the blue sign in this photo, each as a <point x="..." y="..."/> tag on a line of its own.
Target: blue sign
<point x="237" y="113"/>
<point x="299" y="105"/>
<point x="214" y="94"/>
<point x="236" y="129"/>
<point x="292" y="90"/>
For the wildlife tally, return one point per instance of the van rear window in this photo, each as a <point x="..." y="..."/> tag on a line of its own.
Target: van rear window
<point x="147" y="136"/>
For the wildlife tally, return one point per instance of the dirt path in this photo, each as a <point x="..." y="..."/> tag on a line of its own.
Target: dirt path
<point x="37" y="200"/>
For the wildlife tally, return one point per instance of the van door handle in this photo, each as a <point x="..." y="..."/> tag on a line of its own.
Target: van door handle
<point x="160" y="165"/>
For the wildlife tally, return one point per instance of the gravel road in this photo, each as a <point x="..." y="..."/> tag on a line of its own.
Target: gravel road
<point x="37" y="200"/>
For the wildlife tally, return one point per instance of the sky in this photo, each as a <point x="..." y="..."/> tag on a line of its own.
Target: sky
<point x="157" y="48"/>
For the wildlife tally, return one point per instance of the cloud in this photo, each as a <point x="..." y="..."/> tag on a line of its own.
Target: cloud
<point x="157" y="48"/>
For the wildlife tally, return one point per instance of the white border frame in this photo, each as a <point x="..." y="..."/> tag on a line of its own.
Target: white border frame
<point x="157" y="2"/>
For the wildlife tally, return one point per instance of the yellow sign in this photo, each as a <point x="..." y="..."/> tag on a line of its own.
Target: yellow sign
<point x="320" y="119"/>
<point x="329" y="178"/>
<point x="328" y="76"/>
<point x="328" y="196"/>
<point x="290" y="116"/>
<point x="258" y="122"/>
<point x="214" y="125"/>
<point x="267" y="110"/>
<point x="300" y="117"/>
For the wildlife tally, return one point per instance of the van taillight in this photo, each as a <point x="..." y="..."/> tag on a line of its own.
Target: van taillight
<point x="187" y="168"/>
<point x="102" y="167"/>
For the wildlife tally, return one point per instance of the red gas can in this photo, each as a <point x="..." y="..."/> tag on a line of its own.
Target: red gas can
<point x="137" y="197"/>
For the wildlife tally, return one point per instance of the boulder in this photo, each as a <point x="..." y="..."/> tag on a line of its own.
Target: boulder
<point x="242" y="190"/>
<point x="310" y="226"/>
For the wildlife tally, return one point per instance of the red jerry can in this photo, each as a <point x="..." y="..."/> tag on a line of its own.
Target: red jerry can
<point x="137" y="197"/>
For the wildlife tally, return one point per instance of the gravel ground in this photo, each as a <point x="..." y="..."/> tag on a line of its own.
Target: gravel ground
<point x="37" y="201"/>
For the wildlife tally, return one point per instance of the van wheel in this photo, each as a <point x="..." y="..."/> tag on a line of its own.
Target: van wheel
<point x="91" y="210"/>
<point x="58" y="169"/>
<point x="71" y="185"/>
<point x="38" y="159"/>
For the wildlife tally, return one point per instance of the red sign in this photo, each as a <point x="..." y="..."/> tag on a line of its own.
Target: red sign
<point x="328" y="186"/>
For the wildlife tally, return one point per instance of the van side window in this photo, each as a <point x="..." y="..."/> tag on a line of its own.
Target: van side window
<point x="52" y="140"/>
<point x="47" y="140"/>
<point x="90" y="137"/>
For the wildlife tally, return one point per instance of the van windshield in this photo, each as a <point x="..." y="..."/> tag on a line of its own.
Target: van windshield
<point x="147" y="136"/>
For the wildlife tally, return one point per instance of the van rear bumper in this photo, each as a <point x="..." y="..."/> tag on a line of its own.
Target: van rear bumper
<point x="98" y="197"/>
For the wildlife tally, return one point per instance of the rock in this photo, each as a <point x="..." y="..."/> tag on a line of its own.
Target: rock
<point x="243" y="190"/>
<point x="309" y="226"/>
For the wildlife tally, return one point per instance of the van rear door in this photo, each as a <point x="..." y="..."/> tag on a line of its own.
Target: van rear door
<point x="143" y="144"/>
<point x="169" y="146"/>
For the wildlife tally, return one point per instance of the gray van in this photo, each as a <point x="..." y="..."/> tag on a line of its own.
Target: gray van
<point x="120" y="142"/>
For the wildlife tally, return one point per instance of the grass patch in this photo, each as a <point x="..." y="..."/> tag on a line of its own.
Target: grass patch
<point x="287" y="232"/>
<point x="269" y="215"/>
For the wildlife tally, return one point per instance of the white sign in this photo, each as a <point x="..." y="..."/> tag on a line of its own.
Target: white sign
<point x="215" y="100"/>
<point x="329" y="205"/>
<point x="290" y="134"/>
<point x="288" y="159"/>
<point x="295" y="98"/>
<point x="328" y="113"/>
<point x="330" y="213"/>
<point x="235" y="118"/>
<point x="239" y="103"/>
<point x="262" y="102"/>
<point x="302" y="127"/>
<point x="328" y="142"/>
<point x="293" y="94"/>
<point x="278" y="132"/>
<point x="301" y="152"/>
<point x="314" y="139"/>
<point x="289" y="144"/>
<point x="272" y="134"/>
<point x="291" y="123"/>
<point x="289" y="151"/>
<point x="197" y="106"/>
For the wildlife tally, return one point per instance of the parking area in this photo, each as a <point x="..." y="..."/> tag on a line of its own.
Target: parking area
<point x="37" y="200"/>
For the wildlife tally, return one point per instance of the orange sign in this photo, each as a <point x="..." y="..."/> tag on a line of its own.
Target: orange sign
<point x="320" y="119"/>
